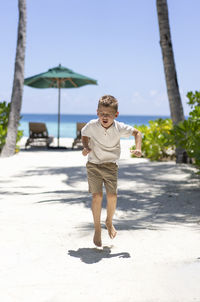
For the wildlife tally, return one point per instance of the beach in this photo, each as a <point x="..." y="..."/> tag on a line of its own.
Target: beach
<point x="46" y="227"/>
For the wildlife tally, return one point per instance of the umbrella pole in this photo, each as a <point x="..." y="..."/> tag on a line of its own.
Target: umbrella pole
<point x="58" y="136"/>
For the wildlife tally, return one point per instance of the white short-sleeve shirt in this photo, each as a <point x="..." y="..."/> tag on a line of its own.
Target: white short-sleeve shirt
<point x="105" y="143"/>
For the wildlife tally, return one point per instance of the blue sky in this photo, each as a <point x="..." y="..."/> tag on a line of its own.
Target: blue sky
<point x="113" y="41"/>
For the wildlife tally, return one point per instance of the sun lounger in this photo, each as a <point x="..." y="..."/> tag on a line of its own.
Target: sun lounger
<point x="38" y="135"/>
<point x="77" y="141"/>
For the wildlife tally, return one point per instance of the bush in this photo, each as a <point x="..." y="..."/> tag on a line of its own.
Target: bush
<point x="4" y="115"/>
<point x="161" y="137"/>
<point x="157" y="141"/>
<point x="187" y="133"/>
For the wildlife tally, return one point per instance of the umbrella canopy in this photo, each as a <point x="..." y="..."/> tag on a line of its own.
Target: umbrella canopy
<point x="58" y="77"/>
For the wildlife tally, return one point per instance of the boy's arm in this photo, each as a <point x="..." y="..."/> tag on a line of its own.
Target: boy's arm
<point x="86" y="149"/>
<point x="138" y="143"/>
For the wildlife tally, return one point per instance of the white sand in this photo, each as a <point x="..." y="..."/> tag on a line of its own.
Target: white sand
<point x="46" y="231"/>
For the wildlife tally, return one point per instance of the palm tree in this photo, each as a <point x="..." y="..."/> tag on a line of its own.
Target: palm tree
<point x="175" y="103"/>
<point x="18" y="83"/>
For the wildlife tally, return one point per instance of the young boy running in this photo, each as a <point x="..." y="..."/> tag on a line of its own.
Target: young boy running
<point x="101" y="142"/>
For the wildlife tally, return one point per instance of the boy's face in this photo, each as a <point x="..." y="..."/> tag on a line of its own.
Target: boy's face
<point x="106" y="116"/>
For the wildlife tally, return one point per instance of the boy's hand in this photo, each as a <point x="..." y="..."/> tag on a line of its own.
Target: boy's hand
<point x="85" y="151"/>
<point x="137" y="152"/>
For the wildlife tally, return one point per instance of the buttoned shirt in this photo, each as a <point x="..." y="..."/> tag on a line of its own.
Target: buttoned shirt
<point x="105" y="143"/>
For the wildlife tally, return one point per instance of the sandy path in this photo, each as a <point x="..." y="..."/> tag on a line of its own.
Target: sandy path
<point x="46" y="232"/>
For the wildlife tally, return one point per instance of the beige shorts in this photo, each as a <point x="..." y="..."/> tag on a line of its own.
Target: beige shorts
<point x="99" y="174"/>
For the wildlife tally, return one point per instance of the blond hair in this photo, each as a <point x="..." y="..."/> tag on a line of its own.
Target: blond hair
<point x="108" y="101"/>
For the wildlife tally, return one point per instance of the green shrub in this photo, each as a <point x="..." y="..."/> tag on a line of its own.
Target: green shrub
<point x="4" y="115"/>
<point x="157" y="141"/>
<point x="160" y="137"/>
<point x="187" y="133"/>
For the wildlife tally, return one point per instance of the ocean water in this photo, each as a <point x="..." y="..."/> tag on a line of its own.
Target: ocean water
<point x="68" y="122"/>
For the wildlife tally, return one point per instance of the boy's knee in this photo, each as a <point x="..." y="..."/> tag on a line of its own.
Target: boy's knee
<point x="97" y="196"/>
<point x="111" y="195"/>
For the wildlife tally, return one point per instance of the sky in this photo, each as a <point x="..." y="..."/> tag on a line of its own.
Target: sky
<point x="115" y="42"/>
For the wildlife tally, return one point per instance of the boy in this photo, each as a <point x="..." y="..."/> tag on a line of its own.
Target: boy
<point x="101" y="142"/>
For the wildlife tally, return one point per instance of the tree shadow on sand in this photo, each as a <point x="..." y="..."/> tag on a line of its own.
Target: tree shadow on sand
<point x="94" y="255"/>
<point x="149" y="195"/>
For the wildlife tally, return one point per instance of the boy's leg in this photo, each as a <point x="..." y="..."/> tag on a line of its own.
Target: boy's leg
<point x="111" y="206"/>
<point x="95" y="182"/>
<point x="96" y="211"/>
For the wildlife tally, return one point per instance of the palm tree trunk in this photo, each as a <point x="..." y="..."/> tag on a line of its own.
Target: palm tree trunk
<point x="18" y="84"/>
<point x="175" y="103"/>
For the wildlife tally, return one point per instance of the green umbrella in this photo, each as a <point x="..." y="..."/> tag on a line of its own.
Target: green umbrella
<point x="58" y="77"/>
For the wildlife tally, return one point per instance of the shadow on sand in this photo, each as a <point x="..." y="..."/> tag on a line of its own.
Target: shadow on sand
<point x="94" y="255"/>
<point x="149" y="194"/>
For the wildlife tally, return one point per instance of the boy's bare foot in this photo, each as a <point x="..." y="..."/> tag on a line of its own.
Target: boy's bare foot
<point x="111" y="230"/>
<point x="97" y="237"/>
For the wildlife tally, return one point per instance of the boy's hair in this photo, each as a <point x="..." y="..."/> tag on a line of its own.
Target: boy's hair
<point x="108" y="101"/>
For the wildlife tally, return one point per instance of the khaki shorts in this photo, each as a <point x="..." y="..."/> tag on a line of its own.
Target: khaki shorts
<point x="99" y="174"/>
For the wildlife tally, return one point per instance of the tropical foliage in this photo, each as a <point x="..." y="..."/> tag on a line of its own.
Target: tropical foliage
<point x="160" y="137"/>
<point x="157" y="141"/>
<point x="4" y="115"/>
<point x="187" y="133"/>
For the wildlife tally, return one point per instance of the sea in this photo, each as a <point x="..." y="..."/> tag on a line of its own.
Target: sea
<point x="68" y="122"/>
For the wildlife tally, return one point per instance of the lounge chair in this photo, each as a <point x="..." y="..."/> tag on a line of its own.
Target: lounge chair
<point x="38" y="135"/>
<point x="77" y="141"/>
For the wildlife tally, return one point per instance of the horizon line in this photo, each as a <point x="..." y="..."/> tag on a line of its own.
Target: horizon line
<point x="123" y="114"/>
